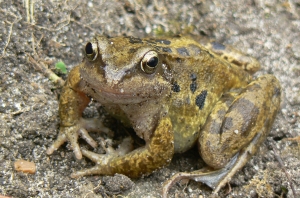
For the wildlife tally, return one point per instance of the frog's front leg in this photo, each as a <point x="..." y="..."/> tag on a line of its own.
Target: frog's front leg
<point x="142" y="161"/>
<point x="71" y="105"/>
<point x="233" y="132"/>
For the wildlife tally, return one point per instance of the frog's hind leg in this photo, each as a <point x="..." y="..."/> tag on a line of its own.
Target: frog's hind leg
<point x="218" y="178"/>
<point x="238" y="124"/>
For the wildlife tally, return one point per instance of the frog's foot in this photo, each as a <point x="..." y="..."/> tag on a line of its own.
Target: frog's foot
<point x="102" y="160"/>
<point x="71" y="134"/>
<point x="214" y="179"/>
<point x="218" y="178"/>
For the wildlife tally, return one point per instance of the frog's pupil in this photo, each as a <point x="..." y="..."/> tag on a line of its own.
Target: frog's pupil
<point x="152" y="62"/>
<point x="89" y="48"/>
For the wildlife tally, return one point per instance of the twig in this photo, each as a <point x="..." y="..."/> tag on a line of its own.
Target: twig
<point x="29" y="6"/>
<point x="47" y="72"/>
<point x="66" y="22"/>
<point x="84" y="25"/>
<point x="10" y="32"/>
<point x="55" y="29"/>
<point x="294" y="139"/>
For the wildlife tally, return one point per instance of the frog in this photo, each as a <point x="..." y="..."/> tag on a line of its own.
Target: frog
<point x="175" y="93"/>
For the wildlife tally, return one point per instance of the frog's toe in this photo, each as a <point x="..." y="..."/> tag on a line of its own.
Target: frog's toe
<point x="90" y="171"/>
<point x="76" y="150"/>
<point x="101" y="167"/>
<point x="62" y="138"/>
<point x="85" y="135"/>
<point x="97" y="158"/>
<point x="107" y="146"/>
<point x="73" y="139"/>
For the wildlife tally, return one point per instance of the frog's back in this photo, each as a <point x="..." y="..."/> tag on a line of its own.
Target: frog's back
<point x="199" y="78"/>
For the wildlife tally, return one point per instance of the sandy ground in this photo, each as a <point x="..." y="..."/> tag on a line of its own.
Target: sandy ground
<point x="37" y="34"/>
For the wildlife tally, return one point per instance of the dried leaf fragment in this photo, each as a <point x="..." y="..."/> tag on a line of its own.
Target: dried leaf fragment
<point x="25" y="166"/>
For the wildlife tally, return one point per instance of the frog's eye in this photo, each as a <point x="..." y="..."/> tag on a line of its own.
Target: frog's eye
<point x="149" y="62"/>
<point x="91" y="51"/>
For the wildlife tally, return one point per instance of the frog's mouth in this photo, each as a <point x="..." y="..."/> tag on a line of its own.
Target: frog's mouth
<point x="128" y="91"/>
<point x="119" y="95"/>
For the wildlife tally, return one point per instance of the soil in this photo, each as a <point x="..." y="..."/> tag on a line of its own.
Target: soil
<point x="35" y="35"/>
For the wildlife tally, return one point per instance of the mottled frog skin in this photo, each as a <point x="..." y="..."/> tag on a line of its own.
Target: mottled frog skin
<point x="174" y="93"/>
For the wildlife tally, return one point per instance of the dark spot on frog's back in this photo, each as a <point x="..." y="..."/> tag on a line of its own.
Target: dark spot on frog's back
<point x="135" y="40"/>
<point x="227" y="124"/>
<point x="163" y="41"/>
<point x="218" y="46"/>
<point x="195" y="49"/>
<point x="132" y="50"/>
<point x="178" y="60"/>
<point x="200" y="99"/>
<point x="249" y="112"/>
<point x="277" y="92"/>
<point x="175" y="87"/>
<point x="193" y="86"/>
<point x="193" y="76"/>
<point x="183" y="51"/>
<point x="163" y="49"/>
<point x="167" y="49"/>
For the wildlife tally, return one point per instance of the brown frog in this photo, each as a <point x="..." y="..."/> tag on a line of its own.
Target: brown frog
<point x="174" y="93"/>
